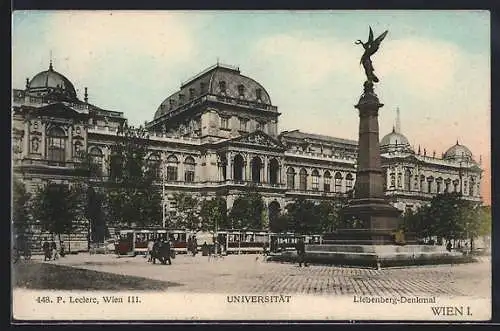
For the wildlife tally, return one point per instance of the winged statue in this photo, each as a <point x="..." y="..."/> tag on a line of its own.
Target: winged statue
<point x="371" y="47"/>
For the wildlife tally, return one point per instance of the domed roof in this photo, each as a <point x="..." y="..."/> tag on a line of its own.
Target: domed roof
<point x="394" y="141"/>
<point x="51" y="82"/>
<point x="220" y="80"/>
<point x="394" y="138"/>
<point x="458" y="152"/>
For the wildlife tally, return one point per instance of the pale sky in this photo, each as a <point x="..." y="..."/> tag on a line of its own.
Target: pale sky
<point x="433" y="65"/>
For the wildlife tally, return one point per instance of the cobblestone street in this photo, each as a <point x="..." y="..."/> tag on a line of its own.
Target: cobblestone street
<point x="250" y="274"/>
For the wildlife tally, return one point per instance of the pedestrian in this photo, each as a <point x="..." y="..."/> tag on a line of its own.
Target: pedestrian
<point x="46" y="250"/>
<point x="150" y="250"/>
<point x="301" y="252"/>
<point x="448" y="246"/>
<point x="53" y="248"/>
<point x="62" y="252"/>
<point x="167" y="252"/>
<point x="194" y="247"/>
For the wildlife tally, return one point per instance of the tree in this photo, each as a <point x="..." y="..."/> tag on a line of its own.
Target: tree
<point x="95" y="214"/>
<point x="131" y="194"/>
<point x="247" y="211"/>
<point x="329" y="216"/>
<point x="304" y="216"/>
<point x="213" y="214"/>
<point x="187" y="212"/>
<point x="20" y="207"/>
<point x="58" y="207"/>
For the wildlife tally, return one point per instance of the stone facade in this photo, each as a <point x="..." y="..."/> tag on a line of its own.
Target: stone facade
<point x="217" y="134"/>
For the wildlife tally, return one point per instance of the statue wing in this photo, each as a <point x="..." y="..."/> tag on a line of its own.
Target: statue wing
<point x="370" y="37"/>
<point x="376" y="43"/>
<point x="380" y="38"/>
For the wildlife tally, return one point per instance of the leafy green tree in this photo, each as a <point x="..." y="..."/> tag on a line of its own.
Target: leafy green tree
<point x="213" y="214"/>
<point x="131" y="191"/>
<point x="328" y="212"/>
<point x="304" y="216"/>
<point x="445" y="212"/>
<point x="187" y="213"/>
<point x="20" y="207"/>
<point x="247" y="211"/>
<point x="59" y="207"/>
<point x="95" y="214"/>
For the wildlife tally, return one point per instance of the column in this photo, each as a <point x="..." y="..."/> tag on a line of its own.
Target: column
<point x="265" y="171"/>
<point x="247" y="168"/>
<point x="229" y="166"/>
<point x="26" y="141"/>
<point x="42" y="143"/>
<point x="69" y="151"/>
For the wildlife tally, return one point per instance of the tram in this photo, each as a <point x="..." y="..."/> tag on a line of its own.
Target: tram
<point x="133" y="242"/>
<point x="287" y="241"/>
<point x="243" y="241"/>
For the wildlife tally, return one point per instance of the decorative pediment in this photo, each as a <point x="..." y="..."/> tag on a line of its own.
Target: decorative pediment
<point x="258" y="138"/>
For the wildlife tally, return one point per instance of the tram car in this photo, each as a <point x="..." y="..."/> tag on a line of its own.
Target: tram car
<point x="243" y="241"/>
<point x="133" y="242"/>
<point x="281" y="242"/>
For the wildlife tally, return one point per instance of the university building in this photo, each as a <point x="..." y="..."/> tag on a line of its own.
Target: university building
<point x="216" y="135"/>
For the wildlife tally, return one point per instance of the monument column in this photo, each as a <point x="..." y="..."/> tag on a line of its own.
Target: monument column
<point x="369" y="181"/>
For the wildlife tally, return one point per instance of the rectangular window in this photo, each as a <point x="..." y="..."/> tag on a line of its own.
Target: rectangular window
<point x="315" y="183"/>
<point x="171" y="173"/>
<point x="326" y="185"/>
<point x="224" y="122"/>
<point x="243" y="124"/>
<point x="189" y="176"/>
<point x="338" y="185"/>
<point x="290" y="181"/>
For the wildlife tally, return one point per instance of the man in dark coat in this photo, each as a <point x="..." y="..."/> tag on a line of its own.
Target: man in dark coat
<point x="166" y="252"/>
<point x="301" y="252"/>
<point x="46" y="250"/>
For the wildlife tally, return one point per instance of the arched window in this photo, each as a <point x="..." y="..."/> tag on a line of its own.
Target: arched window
<point x="429" y="184"/>
<point x="439" y="182"/>
<point x="338" y="182"/>
<point x="96" y="159"/>
<point x="349" y="182"/>
<point x="189" y="166"/>
<point x="153" y="164"/>
<point x="455" y="185"/>
<point x="400" y="181"/>
<point x="56" y="144"/>
<point x="447" y="182"/>
<point x="238" y="165"/>
<point x="172" y="168"/>
<point x="274" y="170"/>
<point x="256" y="165"/>
<point x="290" y="178"/>
<point x="393" y="180"/>
<point x="77" y="150"/>
<point x="315" y="180"/>
<point x="407" y="180"/>
<point x="422" y="182"/>
<point x="327" y="181"/>
<point x="303" y="179"/>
